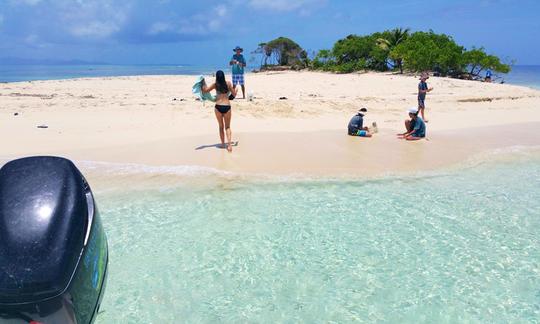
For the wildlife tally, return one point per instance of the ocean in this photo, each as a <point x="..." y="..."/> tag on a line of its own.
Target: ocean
<point x="16" y="73"/>
<point x="453" y="246"/>
<point x="526" y="75"/>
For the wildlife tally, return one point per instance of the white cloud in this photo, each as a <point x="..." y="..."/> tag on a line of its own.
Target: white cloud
<point x="96" y="19"/>
<point x="98" y="29"/>
<point x="286" y="5"/>
<point x="26" y="2"/>
<point x="221" y="11"/>
<point x="159" y="27"/>
<point x="31" y="39"/>
<point x="196" y="25"/>
<point x="34" y="41"/>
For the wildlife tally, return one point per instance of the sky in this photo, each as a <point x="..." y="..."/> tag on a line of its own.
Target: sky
<point x="204" y="32"/>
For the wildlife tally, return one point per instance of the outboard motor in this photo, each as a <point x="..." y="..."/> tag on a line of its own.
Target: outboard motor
<point x="53" y="250"/>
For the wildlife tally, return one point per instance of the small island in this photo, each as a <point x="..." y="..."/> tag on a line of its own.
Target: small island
<point x="397" y="50"/>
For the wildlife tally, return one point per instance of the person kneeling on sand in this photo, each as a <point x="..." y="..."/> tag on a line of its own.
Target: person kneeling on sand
<point x="356" y="125"/>
<point x="416" y="128"/>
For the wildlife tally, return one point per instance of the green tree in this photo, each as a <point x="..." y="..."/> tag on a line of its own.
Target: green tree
<point x="323" y="60"/>
<point x="477" y="60"/>
<point x="360" y="52"/>
<point x="398" y="48"/>
<point x="283" y="51"/>
<point x="391" y="39"/>
<point x="424" y="51"/>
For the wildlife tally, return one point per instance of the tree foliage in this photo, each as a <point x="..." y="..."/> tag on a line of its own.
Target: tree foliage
<point x="282" y="51"/>
<point x="390" y="40"/>
<point x="477" y="61"/>
<point x="424" y="51"/>
<point x="398" y="49"/>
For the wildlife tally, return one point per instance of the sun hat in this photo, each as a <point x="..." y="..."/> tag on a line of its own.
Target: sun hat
<point x="412" y="110"/>
<point x="238" y="48"/>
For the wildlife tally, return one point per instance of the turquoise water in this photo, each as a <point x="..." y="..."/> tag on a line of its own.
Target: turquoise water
<point x="460" y="246"/>
<point x="15" y="73"/>
<point x="526" y="75"/>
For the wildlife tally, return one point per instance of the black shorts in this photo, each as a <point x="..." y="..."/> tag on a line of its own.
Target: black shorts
<point x="223" y="108"/>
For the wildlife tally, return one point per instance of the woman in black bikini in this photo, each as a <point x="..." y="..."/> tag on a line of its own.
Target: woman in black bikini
<point x="223" y="106"/>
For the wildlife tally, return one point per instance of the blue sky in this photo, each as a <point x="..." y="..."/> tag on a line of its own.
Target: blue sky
<point x="203" y="32"/>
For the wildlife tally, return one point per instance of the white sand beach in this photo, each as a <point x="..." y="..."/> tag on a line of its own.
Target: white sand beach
<point x="155" y="120"/>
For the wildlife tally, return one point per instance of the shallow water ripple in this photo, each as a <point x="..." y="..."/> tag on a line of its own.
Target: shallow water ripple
<point x="460" y="247"/>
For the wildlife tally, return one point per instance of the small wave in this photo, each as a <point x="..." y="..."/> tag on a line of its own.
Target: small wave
<point x="172" y="175"/>
<point x="517" y="153"/>
<point x="134" y="168"/>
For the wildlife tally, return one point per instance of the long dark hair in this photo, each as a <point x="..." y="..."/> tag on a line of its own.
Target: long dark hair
<point x="221" y="84"/>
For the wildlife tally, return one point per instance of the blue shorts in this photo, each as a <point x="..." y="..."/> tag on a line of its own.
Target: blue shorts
<point x="238" y="79"/>
<point x="361" y="133"/>
<point x="421" y="103"/>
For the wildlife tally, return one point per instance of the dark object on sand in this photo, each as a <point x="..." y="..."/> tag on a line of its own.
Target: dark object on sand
<point x="42" y="126"/>
<point x="16" y="114"/>
<point x="282" y="98"/>
<point x="53" y="244"/>
<point x="174" y="99"/>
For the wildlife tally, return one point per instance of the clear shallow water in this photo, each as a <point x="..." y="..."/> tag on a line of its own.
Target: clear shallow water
<point x="462" y="246"/>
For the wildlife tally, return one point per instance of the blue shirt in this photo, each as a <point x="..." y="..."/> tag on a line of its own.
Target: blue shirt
<point x="237" y="68"/>
<point x="422" y="86"/>
<point x="419" y="128"/>
<point x="488" y="74"/>
<point x="356" y="123"/>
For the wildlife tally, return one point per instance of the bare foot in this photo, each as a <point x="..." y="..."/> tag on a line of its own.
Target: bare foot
<point x="229" y="147"/>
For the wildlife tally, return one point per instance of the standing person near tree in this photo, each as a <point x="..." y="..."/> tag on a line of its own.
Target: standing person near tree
<point x="422" y="91"/>
<point x="238" y="63"/>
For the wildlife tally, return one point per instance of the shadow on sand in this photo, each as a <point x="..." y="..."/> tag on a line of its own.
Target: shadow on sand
<point x="218" y="145"/>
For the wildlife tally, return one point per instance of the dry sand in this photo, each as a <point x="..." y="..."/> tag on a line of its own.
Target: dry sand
<point x="137" y="120"/>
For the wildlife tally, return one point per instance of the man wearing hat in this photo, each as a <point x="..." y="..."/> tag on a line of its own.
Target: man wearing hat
<point x="423" y="89"/>
<point x="238" y="63"/>
<point x="416" y="128"/>
<point x="356" y="125"/>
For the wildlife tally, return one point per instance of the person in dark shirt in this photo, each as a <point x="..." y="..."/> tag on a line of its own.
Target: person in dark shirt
<point x="422" y="91"/>
<point x="416" y="128"/>
<point x="356" y="125"/>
